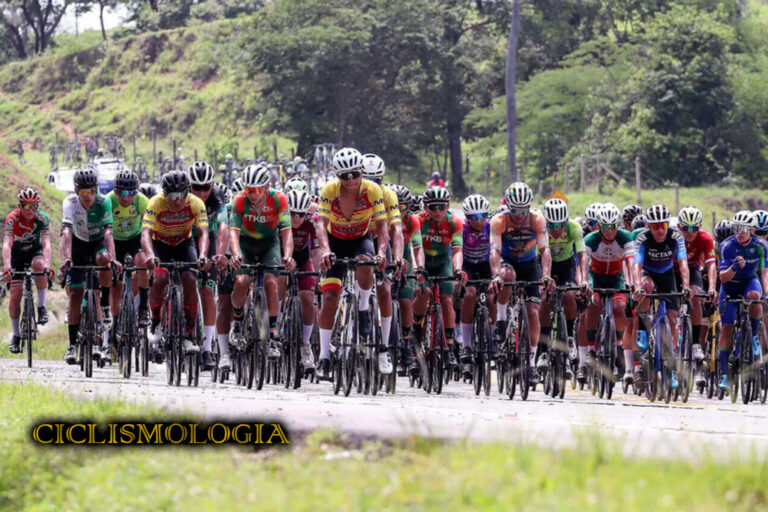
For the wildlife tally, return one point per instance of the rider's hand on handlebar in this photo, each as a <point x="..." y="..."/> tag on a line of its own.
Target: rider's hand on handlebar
<point x="461" y="276"/>
<point x="549" y="284"/>
<point x="65" y="265"/>
<point x="289" y="263"/>
<point x="421" y="275"/>
<point x="236" y="261"/>
<point x="496" y="284"/>
<point x="7" y="275"/>
<point x="400" y="268"/>
<point x="638" y="294"/>
<point x="381" y="262"/>
<point x="116" y="265"/>
<point x="326" y="261"/>
<point x="220" y="261"/>
<point x="203" y="263"/>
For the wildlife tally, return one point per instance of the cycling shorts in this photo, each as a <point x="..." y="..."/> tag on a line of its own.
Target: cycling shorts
<point x="83" y="253"/>
<point x="665" y="283"/>
<point x="184" y="252"/>
<point x="354" y="248"/>
<point x="527" y="271"/>
<point x="265" y="251"/>
<point x="695" y="279"/>
<point x="441" y="267"/>
<point x="735" y="290"/>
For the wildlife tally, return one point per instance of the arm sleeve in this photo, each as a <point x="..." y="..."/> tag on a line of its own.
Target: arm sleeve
<point x="283" y="214"/>
<point x="578" y="237"/>
<point x="106" y="219"/>
<point x="150" y="214"/>
<point x="326" y="198"/>
<point x="457" y="240"/>
<point x="639" y="252"/>
<point x="377" y="201"/>
<point x="9" y="224"/>
<point x="709" y="250"/>
<point x="682" y="254"/>
<point x="236" y="215"/>
<point x="415" y="232"/>
<point x="66" y="213"/>
<point x="201" y="217"/>
<point x="43" y="223"/>
<point x="725" y="256"/>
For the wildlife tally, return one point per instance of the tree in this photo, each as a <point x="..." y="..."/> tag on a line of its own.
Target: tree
<point x="39" y="17"/>
<point x="510" y="82"/>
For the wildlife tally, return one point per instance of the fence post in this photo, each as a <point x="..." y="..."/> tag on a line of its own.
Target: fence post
<point x="255" y="153"/>
<point x="714" y="219"/>
<point x="154" y="144"/>
<point x="637" y="180"/>
<point x="582" y="171"/>
<point x="195" y="154"/>
<point x="566" y="182"/>
<point x="501" y="179"/>
<point x="677" y="198"/>
<point x="134" y="147"/>
<point x="174" y="154"/>
<point x="487" y="182"/>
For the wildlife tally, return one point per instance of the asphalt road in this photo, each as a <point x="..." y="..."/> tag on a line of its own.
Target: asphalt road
<point x="697" y="430"/>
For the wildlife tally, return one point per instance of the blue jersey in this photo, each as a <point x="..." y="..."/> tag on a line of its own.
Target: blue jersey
<point x="477" y="246"/>
<point x="659" y="257"/>
<point x="754" y="253"/>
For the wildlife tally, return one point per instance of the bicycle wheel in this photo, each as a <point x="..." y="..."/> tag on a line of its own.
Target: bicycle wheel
<point x="260" y="333"/>
<point x="478" y="368"/>
<point x="296" y="329"/>
<point x="745" y="363"/>
<point x="440" y="350"/>
<point x="524" y="350"/>
<point x="685" y="377"/>
<point x="349" y="338"/>
<point x="30" y="327"/>
<point x="560" y="356"/>
<point x="394" y="344"/>
<point x="649" y="364"/>
<point x="374" y="376"/>
<point x="762" y="370"/>
<point x="90" y="332"/>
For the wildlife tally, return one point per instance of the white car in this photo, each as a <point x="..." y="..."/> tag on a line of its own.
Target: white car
<point x="106" y="168"/>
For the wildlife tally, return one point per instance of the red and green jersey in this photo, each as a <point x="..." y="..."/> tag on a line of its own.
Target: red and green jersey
<point x="268" y="222"/>
<point x="440" y="238"/>
<point x="411" y="230"/>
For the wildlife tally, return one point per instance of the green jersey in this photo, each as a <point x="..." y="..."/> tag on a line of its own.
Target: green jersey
<point x="87" y="225"/>
<point x="562" y="249"/>
<point x="127" y="220"/>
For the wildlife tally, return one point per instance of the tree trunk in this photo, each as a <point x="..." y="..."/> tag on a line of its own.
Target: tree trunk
<point x="101" y="19"/>
<point x="509" y="82"/>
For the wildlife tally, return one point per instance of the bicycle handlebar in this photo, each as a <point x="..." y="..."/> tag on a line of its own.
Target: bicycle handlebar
<point x="611" y="291"/>
<point x="28" y="273"/>
<point x="297" y="273"/>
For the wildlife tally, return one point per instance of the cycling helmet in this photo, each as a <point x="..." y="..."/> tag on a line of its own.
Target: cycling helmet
<point x="85" y="177"/>
<point x="299" y="201"/>
<point x="404" y="195"/>
<point x="28" y="196"/>
<point x="347" y="159"/>
<point x="175" y="181"/>
<point x="744" y="218"/>
<point x="295" y="184"/>
<point x="556" y="210"/>
<point x="148" y="189"/>
<point x="657" y="213"/>
<point x="373" y="167"/>
<point x="689" y="216"/>
<point x="223" y="190"/>
<point x="631" y="211"/>
<point x="255" y="176"/>
<point x="609" y="213"/>
<point x="518" y="195"/>
<point x="417" y="204"/>
<point x="435" y="175"/>
<point x="200" y="173"/>
<point x="723" y="230"/>
<point x="475" y="204"/>
<point x="126" y="180"/>
<point x="761" y="220"/>
<point x="592" y="212"/>
<point x="639" y="221"/>
<point x="237" y="186"/>
<point x="434" y="195"/>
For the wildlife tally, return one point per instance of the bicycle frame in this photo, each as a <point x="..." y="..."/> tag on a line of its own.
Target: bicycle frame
<point x="28" y="314"/>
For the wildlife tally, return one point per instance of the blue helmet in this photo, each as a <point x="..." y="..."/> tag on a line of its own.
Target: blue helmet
<point x="761" y="216"/>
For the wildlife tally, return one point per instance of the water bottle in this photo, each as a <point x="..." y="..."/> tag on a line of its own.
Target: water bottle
<point x="642" y="340"/>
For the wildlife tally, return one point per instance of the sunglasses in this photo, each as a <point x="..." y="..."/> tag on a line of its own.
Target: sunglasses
<point x="761" y="232"/>
<point x="437" y="207"/>
<point x="742" y="229"/>
<point x="202" y="188"/>
<point x="608" y="227"/>
<point x="126" y="193"/>
<point x="28" y="206"/>
<point x="87" y="192"/>
<point x="349" y="175"/>
<point x="477" y="216"/>
<point x="658" y="225"/>
<point x="176" y="196"/>
<point x="255" y="190"/>
<point x="519" y="211"/>
<point x="555" y="225"/>
<point x="299" y="214"/>
<point x="690" y="229"/>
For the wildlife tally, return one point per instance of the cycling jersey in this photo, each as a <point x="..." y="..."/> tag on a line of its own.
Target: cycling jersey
<point x="27" y="234"/>
<point x="518" y="243"/>
<point x="127" y="220"/>
<point x="391" y="206"/>
<point x="368" y="209"/>
<point x="754" y="253"/>
<point x="268" y="222"/>
<point x="562" y="248"/>
<point x="305" y="236"/>
<point x="411" y="230"/>
<point x="476" y="246"/>
<point x="701" y="250"/>
<point x="173" y="227"/>
<point x="216" y="211"/>
<point x="439" y="238"/>
<point x="606" y="258"/>
<point x="659" y="257"/>
<point x="87" y="225"/>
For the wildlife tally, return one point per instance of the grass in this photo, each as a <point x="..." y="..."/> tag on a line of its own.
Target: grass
<point x="326" y="471"/>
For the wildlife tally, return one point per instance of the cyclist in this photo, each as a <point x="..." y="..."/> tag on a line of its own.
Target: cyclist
<point x="743" y="273"/>
<point x="304" y="228"/>
<point x="569" y="264"/>
<point x="611" y="251"/>
<point x="628" y="214"/>
<point x="476" y="249"/>
<point x="201" y="176"/>
<point x="166" y="236"/>
<point x="414" y="257"/>
<point x="86" y="239"/>
<point x="26" y="244"/>
<point x="657" y="248"/>
<point x="761" y="223"/>
<point x="591" y="218"/>
<point x="701" y="250"/>
<point x="373" y="170"/>
<point x="435" y="180"/>
<point x="441" y="235"/>
<point x="128" y="206"/>
<point x="295" y="183"/>
<point x="348" y="206"/>
<point x="261" y="227"/>
<point x="148" y="189"/>
<point x="516" y="235"/>
<point x="224" y="290"/>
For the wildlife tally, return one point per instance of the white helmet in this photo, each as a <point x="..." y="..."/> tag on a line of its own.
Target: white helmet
<point x="237" y="186"/>
<point x="295" y="184"/>
<point x="609" y="213"/>
<point x="299" y="201"/>
<point x="255" y="176"/>
<point x="200" y="173"/>
<point x="689" y="216"/>
<point x="556" y="210"/>
<point x="436" y="195"/>
<point x="224" y="191"/>
<point x="518" y="195"/>
<point x="657" y="213"/>
<point x="373" y="166"/>
<point x="744" y="218"/>
<point x="475" y="204"/>
<point x="592" y="212"/>
<point x="347" y="159"/>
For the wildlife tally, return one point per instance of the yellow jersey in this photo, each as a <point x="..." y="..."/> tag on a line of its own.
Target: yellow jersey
<point x="174" y="227"/>
<point x="368" y="209"/>
<point x="391" y="206"/>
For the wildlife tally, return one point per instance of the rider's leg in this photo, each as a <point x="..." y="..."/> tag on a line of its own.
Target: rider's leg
<point x="142" y="280"/>
<point x="449" y="316"/>
<point x="545" y="321"/>
<point x="507" y="276"/>
<point x="384" y="293"/>
<point x="38" y="265"/>
<point x="189" y="286"/>
<point x="591" y="321"/>
<point x="223" y="320"/>
<point x="697" y="320"/>
<point x="159" y="283"/>
<point x="306" y="299"/>
<point x="242" y="285"/>
<point x="571" y="310"/>
<point x="105" y="278"/>
<point x="327" y="314"/>
<point x="209" y="314"/>
<point x="14" y="306"/>
<point x="467" y="315"/>
<point x="273" y="305"/>
<point x="73" y="311"/>
<point x="533" y="323"/>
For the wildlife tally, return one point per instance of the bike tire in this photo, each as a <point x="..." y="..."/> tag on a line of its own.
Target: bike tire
<point x="31" y="328"/>
<point x="524" y="362"/>
<point x="440" y="352"/>
<point x="374" y="376"/>
<point x="261" y="331"/>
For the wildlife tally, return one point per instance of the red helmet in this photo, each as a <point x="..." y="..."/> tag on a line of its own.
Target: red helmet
<point x="29" y="196"/>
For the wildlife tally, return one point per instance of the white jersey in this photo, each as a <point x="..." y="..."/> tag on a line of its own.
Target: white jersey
<point x="87" y="225"/>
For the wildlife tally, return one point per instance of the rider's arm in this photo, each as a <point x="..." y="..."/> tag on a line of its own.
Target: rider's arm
<point x="322" y="235"/>
<point x="684" y="273"/>
<point x="542" y="241"/>
<point x="222" y="238"/>
<point x="383" y="233"/>
<point x="726" y="263"/>
<point x="286" y="242"/>
<point x="581" y="274"/>
<point x="109" y="242"/>
<point x="396" y="234"/>
<point x="46" y="241"/>
<point x="7" y="245"/>
<point x="418" y="256"/>
<point x="234" y="242"/>
<point x="712" y="275"/>
<point x="146" y="243"/>
<point x="764" y="278"/>
<point x="202" y="241"/>
<point x="497" y="227"/>
<point x="65" y="249"/>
